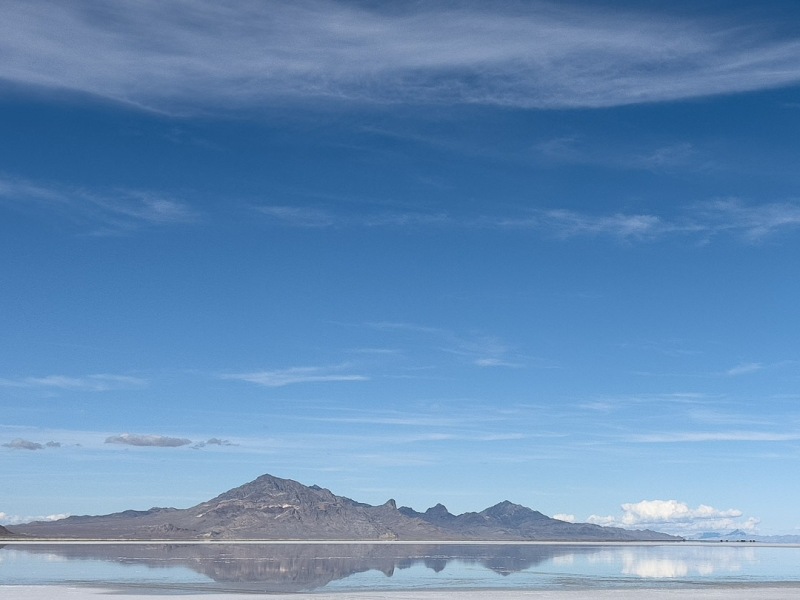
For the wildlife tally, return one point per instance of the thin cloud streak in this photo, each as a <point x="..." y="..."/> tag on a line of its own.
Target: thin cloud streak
<point x="294" y="375"/>
<point x="89" y="383"/>
<point x="106" y="211"/>
<point x="200" y="54"/>
<point x="710" y="436"/>
<point x="460" y="421"/>
<point x="571" y="150"/>
<point x="751" y="223"/>
<point x="744" y="369"/>
<point x="483" y="351"/>
<point x="754" y="222"/>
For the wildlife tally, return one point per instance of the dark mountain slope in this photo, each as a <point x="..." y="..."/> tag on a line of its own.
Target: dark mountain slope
<point x="5" y="532"/>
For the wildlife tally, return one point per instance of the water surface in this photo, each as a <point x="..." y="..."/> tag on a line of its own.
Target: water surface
<point x="275" y="568"/>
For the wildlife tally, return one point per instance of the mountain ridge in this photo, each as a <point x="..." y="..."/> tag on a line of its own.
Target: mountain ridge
<point x="272" y="508"/>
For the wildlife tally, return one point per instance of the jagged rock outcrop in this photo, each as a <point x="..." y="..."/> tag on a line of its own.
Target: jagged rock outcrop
<point x="272" y="508"/>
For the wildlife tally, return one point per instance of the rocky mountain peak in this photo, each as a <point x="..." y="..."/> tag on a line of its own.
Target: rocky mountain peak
<point x="511" y="514"/>
<point x="438" y="511"/>
<point x="271" y="489"/>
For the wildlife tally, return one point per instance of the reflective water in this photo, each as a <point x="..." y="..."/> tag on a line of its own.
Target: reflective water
<point x="349" y="567"/>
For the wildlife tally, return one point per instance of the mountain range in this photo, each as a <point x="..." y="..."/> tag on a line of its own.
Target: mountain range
<point x="271" y="508"/>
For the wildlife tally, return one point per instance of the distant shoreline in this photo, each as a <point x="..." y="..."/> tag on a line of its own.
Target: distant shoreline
<point x="739" y="592"/>
<point x="105" y="541"/>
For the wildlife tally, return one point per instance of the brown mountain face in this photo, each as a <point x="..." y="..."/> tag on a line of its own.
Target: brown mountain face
<point x="271" y="508"/>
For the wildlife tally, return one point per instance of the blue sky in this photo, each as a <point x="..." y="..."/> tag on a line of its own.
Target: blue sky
<point x="441" y="252"/>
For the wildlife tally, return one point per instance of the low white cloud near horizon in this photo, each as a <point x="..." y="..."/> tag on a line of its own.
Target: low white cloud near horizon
<point x="7" y="519"/>
<point x="673" y="516"/>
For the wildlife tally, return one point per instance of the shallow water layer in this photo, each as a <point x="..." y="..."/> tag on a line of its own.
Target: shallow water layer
<point x="292" y="568"/>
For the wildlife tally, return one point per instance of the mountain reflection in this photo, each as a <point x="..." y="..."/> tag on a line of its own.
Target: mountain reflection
<point x="303" y="567"/>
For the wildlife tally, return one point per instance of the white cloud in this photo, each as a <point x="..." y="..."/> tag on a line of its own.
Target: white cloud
<point x="668" y="511"/>
<point x="7" y="519"/>
<point x="744" y="369"/>
<point x="673" y="516"/>
<point x="563" y="517"/>
<point x="199" y="53"/>
<point x="282" y="377"/>
<point x="600" y="520"/>
<point x="132" y="439"/>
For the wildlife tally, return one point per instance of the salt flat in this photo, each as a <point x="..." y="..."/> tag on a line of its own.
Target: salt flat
<point x="705" y="593"/>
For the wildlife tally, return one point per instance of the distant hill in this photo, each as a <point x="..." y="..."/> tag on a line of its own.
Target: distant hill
<point x="271" y="508"/>
<point x="5" y="532"/>
<point x="738" y="535"/>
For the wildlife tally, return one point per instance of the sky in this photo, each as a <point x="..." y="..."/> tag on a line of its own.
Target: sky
<point x="457" y="252"/>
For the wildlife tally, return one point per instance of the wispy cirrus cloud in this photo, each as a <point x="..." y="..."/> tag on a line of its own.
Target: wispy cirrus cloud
<point x="102" y="382"/>
<point x="295" y="375"/>
<point x="103" y="211"/>
<point x="754" y="222"/>
<point x="318" y="217"/>
<point x="159" y="441"/>
<point x="749" y="368"/>
<point x="300" y="216"/>
<point x="202" y="54"/>
<point x="751" y="223"/>
<point x="567" y="223"/>
<point x="480" y="350"/>
<point x="715" y="436"/>
<point x="665" y="157"/>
